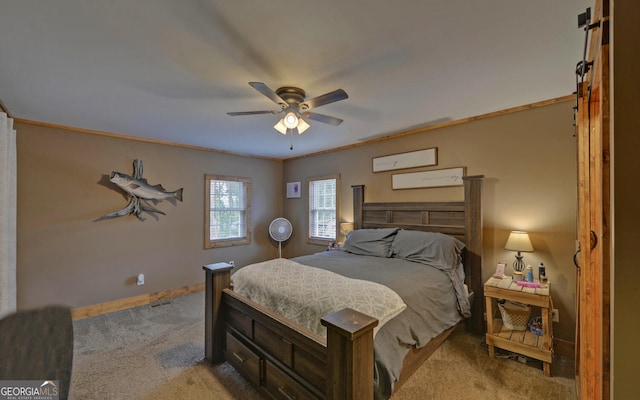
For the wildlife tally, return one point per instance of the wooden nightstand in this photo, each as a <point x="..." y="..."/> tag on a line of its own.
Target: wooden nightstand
<point x="522" y="342"/>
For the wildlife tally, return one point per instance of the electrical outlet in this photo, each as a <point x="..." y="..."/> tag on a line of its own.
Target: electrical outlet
<point x="140" y="280"/>
<point x="232" y="263"/>
<point x="555" y="315"/>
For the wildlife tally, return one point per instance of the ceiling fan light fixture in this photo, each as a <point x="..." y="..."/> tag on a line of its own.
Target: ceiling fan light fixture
<point x="280" y="127"/>
<point x="302" y="126"/>
<point x="295" y="105"/>
<point x="290" y="120"/>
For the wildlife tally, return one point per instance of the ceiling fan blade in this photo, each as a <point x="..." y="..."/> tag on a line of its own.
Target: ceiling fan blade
<point x="326" y="98"/>
<point x="266" y="90"/>
<point x="252" y="112"/>
<point x="326" y="119"/>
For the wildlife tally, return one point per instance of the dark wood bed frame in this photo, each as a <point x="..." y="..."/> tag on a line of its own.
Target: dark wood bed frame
<point x="284" y="360"/>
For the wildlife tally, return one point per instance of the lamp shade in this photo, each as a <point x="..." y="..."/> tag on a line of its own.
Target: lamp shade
<point x="302" y="126"/>
<point x="345" y="228"/>
<point x="280" y="127"/>
<point x="519" y="241"/>
<point x="290" y="120"/>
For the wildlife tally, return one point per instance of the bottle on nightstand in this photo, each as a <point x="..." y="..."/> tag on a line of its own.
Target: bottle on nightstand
<point x="529" y="274"/>
<point x="542" y="272"/>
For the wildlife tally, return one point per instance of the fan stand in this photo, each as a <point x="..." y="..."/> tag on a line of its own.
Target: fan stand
<point x="279" y="249"/>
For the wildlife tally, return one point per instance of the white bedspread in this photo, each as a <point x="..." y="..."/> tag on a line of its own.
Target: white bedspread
<point x="306" y="294"/>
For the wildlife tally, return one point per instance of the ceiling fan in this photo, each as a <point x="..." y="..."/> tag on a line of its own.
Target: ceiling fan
<point x="293" y="104"/>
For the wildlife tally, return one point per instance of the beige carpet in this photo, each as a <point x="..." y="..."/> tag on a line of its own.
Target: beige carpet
<point x="157" y="353"/>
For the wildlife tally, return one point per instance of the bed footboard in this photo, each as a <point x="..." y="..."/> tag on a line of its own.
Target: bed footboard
<point x="282" y="359"/>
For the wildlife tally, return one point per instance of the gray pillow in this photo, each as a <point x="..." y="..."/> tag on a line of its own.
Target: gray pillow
<point x="370" y="242"/>
<point x="431" y="248"/>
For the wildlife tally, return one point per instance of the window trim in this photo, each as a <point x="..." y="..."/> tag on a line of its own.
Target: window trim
<point x="210" y="244"/>
<point x="316" y="240"/>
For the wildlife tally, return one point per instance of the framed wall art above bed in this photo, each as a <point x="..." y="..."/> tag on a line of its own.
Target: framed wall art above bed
<point x="418" y="158"/>
<point x="429" y="179"/>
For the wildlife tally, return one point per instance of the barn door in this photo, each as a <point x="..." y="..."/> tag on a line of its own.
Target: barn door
<point x="592" y="333"/>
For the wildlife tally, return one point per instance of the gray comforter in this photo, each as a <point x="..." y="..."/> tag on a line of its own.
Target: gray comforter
<point x="432" y="306"/>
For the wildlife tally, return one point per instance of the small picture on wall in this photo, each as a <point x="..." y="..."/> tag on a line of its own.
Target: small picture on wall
<point x="293" y="190"/>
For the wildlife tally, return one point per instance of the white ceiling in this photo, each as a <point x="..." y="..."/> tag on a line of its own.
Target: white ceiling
<point x="170" y="70"/>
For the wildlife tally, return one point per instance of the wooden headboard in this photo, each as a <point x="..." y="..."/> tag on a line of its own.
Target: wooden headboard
<point x="461" y="219"/>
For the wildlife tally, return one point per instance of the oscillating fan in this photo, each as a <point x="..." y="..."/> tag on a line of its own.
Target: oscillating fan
<point x="280" y="230"/>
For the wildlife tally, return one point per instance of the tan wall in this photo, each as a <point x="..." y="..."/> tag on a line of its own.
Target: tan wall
<point x="626" y="142"/>
<point x="66" y="257"/>
<point x="528" y="159"/>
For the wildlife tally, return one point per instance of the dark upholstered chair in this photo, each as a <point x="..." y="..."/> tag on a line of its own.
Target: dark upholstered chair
<point x="38" y="345"/>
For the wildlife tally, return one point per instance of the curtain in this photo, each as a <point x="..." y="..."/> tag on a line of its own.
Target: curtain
<point x="8" y="216"/>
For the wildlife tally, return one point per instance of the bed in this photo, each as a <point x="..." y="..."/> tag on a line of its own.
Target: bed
<point x="335" y="358"/>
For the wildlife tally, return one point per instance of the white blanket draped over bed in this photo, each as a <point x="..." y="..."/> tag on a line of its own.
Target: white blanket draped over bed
<point x="287" y="288"/>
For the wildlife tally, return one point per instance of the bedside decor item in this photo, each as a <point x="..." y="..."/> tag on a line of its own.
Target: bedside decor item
<point x="529" y="284"/>
<point x="139" y="191"/>
<point x="514" y="315"/>
<point x="500" y="270"/>
<point x="519" y="241"/>
<point x="542" y="272"/>
<point x="535" y="326"/>
<point x="345" y="229"/>
<point x="529" y="273"/>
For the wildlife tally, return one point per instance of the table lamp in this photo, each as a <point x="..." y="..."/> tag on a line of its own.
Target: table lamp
<point x="518" y="241"/>
<point x="345" y="228"/>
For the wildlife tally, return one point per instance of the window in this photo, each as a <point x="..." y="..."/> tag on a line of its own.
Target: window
<point x="323" y="209"/>
<point x="227" y="201"/>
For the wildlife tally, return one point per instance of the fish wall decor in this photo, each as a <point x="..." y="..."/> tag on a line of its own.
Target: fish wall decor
<point x="140" y="193"/>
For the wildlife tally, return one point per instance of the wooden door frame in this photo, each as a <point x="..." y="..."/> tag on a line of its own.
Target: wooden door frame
<point x="594" y="233"/>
